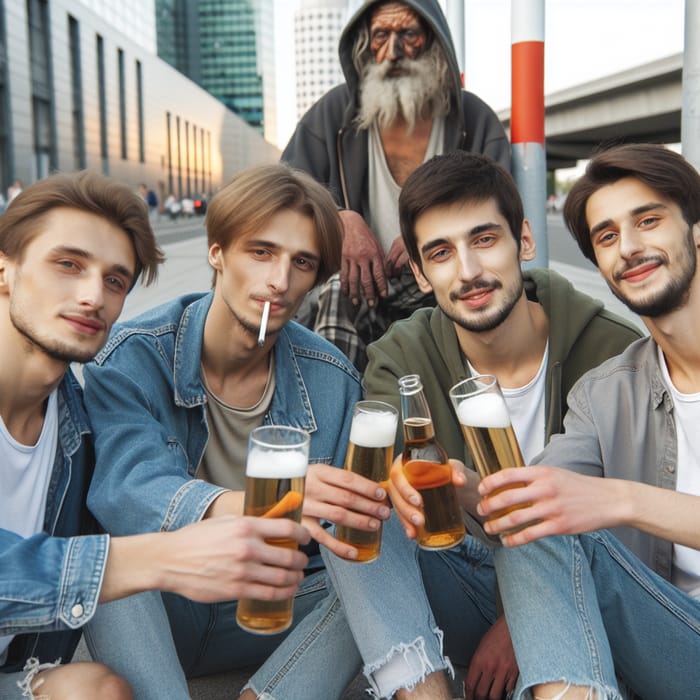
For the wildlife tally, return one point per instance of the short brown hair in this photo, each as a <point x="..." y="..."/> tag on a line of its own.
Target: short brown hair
<point x="86" y="191"/>
<point x="661" y="169"/>
<point x="457" y="177"/>
<point x="255" y="195"/>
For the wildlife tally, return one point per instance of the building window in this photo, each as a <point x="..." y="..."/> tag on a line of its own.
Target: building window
<point x="44" y="125"/>
<point x="102" y="100"/>
<point x="139" y="106"/>
<point x="76" y="94"/>
<point x="122" y="103"/>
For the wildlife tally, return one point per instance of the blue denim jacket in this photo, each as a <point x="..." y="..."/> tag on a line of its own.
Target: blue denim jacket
<point x="52" y="581"/>
<point x="146" y="403"/>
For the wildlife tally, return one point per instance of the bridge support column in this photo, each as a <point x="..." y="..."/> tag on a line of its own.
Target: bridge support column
<point x="690" y="111"/>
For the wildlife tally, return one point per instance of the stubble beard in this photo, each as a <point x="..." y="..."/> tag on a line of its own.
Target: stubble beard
<point x="674" y="295"/>
<point x="490" y="319"/>
<point x="52" y="348"/>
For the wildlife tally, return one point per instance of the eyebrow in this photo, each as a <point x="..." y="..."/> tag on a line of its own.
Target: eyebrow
<point x="471" y="233"/>
<point x="87" y="255"/>
<point x="641" y="209"/>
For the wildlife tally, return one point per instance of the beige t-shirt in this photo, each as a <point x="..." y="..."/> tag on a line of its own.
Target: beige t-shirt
<point x="224" y="458"/>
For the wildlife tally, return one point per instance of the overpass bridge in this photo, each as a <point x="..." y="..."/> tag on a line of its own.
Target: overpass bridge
<point x="641" y="104"/>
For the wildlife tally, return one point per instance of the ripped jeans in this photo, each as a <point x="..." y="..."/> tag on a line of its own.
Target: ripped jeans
<point x="14" y="686"/>
<point x="581" y="609"/>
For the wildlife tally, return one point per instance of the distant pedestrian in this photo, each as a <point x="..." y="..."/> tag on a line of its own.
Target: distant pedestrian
<point x="151" y="199"/>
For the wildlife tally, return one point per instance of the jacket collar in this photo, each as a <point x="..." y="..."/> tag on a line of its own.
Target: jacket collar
<point x="290" y="405"/>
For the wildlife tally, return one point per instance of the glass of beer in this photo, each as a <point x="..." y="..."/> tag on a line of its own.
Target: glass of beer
<point x="370" y="449"/>
<point x="485" y="422"/>
<point x="278" y="457"/>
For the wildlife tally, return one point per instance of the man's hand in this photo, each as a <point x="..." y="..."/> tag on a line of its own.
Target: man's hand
<point x="396" y="258"/>
<point x="493" y="670"/>
<point x="214" y="560"/>
<point x="407" y="501"/>
<point x="548" y="501"/>
<point x="343" y="498"/>
<point x="362" y="266"/>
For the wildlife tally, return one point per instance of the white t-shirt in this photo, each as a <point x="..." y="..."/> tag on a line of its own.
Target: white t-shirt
<point x="686" y="411"/>
<point x="383" y="190"/>
<point x="25" y="472"/>
<point x="526" y="409"/>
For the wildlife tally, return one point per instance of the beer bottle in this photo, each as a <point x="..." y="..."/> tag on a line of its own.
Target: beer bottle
<point x="427" y="469"/>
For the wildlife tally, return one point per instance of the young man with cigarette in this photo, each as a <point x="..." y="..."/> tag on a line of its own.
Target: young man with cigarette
<point x="71" y="248"/>
<point x="601" y="584"/>
<point x="173" y="398"/>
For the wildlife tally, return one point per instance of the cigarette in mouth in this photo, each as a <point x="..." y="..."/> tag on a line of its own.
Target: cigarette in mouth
<point x="263" y="324"/>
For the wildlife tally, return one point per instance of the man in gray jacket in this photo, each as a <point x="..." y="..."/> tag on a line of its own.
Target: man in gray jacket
<point x="587" y="605"/>
<point x="402" y="103"/>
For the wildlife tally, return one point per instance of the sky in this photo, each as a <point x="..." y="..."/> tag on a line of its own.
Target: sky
<point x="584" y="40"/>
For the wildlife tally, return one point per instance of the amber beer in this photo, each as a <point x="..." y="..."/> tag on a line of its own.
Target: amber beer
<point x="485" y="422"/>
<point x="427" y="469"/>
<point x="370" y="449"/>
<point x="274" y="489"/>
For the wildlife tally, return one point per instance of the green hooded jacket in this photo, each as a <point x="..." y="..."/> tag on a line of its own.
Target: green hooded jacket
<point x="582" y="334"/>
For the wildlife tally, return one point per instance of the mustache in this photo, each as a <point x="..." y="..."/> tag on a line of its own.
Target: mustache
<point x="474" y="286"/>
<point x="636" y="262"/>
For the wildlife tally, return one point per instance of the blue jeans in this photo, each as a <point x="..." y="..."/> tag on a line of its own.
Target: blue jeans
<point x="9" y="690"/>
<point x="156" y="641"/>
<point x="461" y="586"/>
<point x="389" y="614"/>
<point x="581" y="609"/>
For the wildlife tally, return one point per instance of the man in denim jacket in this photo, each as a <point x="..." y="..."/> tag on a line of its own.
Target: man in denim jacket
<point x="588" y="606"/>
<point x="173" y="397"/>
<point x="71" y="247"/>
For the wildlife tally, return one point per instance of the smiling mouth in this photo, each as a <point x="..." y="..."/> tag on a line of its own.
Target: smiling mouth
<point x="639" y="272"/>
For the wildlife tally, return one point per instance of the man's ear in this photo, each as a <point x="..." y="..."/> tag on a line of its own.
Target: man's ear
<point x="696" y="233"/>
<point x="527" y="243"/>
<point x="215" y="254"/>
<point x="423" y="283"/>
<point x="4" y="273"/>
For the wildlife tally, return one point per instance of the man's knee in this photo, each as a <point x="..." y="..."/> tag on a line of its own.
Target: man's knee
<point x="81" y="681"/>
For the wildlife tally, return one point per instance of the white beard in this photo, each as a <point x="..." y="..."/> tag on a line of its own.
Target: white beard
<point x="422" y="92"/>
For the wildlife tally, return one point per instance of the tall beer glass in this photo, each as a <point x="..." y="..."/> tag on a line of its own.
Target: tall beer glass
<point x="278" y="457"/>
<point x="485" y="422"/>
<point x="370" y="449"/>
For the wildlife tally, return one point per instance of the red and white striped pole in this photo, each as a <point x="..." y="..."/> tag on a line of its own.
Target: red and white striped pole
<point x="527" y="117"/>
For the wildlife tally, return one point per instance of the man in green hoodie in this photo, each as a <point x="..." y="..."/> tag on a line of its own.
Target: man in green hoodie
<point x="402" y="103"/>
<point x="463" y="225"/>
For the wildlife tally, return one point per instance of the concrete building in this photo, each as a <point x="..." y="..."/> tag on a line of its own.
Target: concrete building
<point x="227" y="47"/>
<point x="317" y="28"/>
<point x="77" y="93"/>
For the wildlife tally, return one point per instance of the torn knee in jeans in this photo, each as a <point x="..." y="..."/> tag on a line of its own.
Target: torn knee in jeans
<point x="404" y="666"/>
<point x="32" y="668"/>
<point x="577" y="693"/>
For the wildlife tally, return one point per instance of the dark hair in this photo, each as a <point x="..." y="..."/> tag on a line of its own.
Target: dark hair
<point x="661" y="169"/>
<point x="86" y="191"/>
<point x="255" y="195"/>
<point x="457" y="177"/>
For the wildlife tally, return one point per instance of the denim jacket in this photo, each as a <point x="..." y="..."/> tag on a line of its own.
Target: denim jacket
<point x="620" y="425"/>
<point x="146" y="401"/>
<point x="51" y="582"/>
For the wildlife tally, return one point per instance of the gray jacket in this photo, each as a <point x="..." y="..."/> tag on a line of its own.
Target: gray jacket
<point x="620" y="425"/>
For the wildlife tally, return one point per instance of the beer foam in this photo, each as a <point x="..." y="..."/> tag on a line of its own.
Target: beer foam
<point x="484" y="411"/>
<point x="373" y="429"/>
<point x="275" y="464"/>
